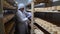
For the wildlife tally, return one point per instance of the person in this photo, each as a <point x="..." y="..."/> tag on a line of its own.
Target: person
<point x="22" y="19"/>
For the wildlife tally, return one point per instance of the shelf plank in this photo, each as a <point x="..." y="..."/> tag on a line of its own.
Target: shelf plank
<point x="51" y="28"/>
<point x="7" y="18"/>
<point x="13" y="31"/>
<point x="12" y="2"/>
<point x="7" y="5"/>
<point x="46" y="9"/>
<point x="9" y="27"/>
<point x="38" y="31"/>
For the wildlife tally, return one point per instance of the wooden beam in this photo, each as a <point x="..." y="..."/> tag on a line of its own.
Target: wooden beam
<point x="2" y="30"/>
<point x="32" y="18"/>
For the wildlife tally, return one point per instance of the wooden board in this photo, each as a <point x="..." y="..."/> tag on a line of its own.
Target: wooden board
<point x="38" y="31"/>
<point x="7" y="5"/>
<point x="7" y="18"/>
<point x="51" y="28"/>
<point x="8" y="27"/>
<point x="1" y="16"/>
<point x="13" y="31"/>
<point x="12" y="2"/>
<point x="2" y="30"/>
<point x="47" y="9"/>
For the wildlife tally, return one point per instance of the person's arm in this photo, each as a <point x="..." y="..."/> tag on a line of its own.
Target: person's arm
<point x="20" y="17"/>
<point x="28" y="15"/>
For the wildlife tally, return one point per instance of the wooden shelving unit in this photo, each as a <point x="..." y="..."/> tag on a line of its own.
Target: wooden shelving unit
<point x="8" y="27"/>
<point x="51" y="28"/>
<point x="8" y="17"/>
<point x="12" y="31"/>
<point x="8" y="22"/>
<point x="7" y="5"/>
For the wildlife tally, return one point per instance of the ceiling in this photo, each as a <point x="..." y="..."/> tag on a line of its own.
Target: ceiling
<point x="22" y="1"/>
<point x="36" y="1"/>
<point x="26" y="1"/>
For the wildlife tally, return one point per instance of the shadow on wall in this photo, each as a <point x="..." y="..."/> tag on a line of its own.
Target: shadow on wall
<point x="50" y="17"/>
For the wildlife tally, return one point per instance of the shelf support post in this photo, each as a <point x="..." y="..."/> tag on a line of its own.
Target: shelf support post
<point x="2" y="30"/>
<point x="32" y="18"/>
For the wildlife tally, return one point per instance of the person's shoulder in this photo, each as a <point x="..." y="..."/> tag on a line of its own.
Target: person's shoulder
<point x="19" y="11"/>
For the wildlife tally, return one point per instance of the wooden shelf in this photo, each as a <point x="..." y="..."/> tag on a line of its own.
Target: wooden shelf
<point x="7" y="5"/>
<point x="51" y="28"/>
<point x="38" y="31"/>
<point x="47" y="9"/>
<point x="7" y="18"/>
<point x="12" y="2"/>
<point x="12" y="32"/>
<point x="8" y="27"/>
